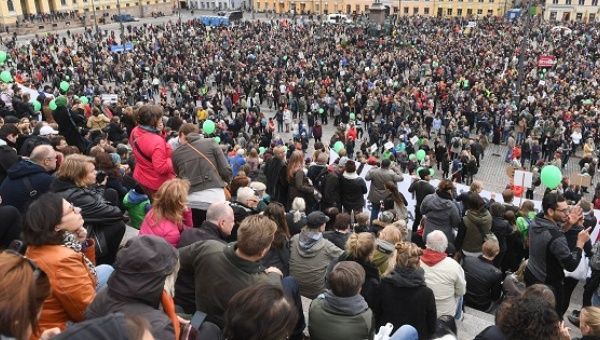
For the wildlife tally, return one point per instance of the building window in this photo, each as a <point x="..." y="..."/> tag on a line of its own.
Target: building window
<point x="490" y="12"/>
<point x="63" y="2"/>
<point x="415" y="10"/>
<point x="479" y="11"/>
<point x="491" y="1"/>
<point x="460" y="0"/>
<point x="395" y="9"/>
<point x="553" y="15"/>
<point x="555" y="2"/>
<point x="594" y="2"/>
<point x="459" y="12"/>
<point x="10" y="5"/>
<point x="568" y="2"/>
<point x="449" y="11"/>
<point x="579" y="16"/>
<point x="126" y="5"/>
<point x="366" y="8"/>
<point x="74" y="2"/>
<point x="426" y="10"/>
<point x="581" y="2"/>
<point x="469" y="12"/>
<point x="405" y="10"/>
<point x="591" y="17"/>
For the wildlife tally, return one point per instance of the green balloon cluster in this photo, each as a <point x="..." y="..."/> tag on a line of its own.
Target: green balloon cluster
<point x="6" y="77"/>
<point x="412" y="157"/>
<point x="208" y="127"/>
<point x="84" y="100"/>
<point x="338" y="146"/>
<point x="352" y="116"/>
<point x="551" y="176"/>
<point x="217" y="139"/>
<point x="261" y="150"/>
<point x="37" y="106"/>
<point x="3" y="57"/>
<point x="64" y="86"/>
<point x="421" y="155"/>
<point x="53" y="105"/>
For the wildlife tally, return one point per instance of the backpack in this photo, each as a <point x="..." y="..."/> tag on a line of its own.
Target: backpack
<point x="321" y="180"/>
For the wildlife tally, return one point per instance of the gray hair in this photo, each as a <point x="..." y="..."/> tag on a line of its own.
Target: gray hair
<point x="217" y="210"/>
<point x="437" y="241"/>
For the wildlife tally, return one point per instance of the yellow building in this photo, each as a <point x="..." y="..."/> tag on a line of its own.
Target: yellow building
<point x="441" y="8"/>
<point x="11" y="10"/>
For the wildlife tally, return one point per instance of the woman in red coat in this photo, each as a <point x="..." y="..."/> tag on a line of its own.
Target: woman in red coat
<point x="153" y="165"/>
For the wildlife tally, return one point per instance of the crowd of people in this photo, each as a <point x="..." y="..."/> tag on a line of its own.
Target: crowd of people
<point x="235" y="221"/>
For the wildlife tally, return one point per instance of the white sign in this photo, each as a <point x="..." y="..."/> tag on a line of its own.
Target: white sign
<point x="111" y="98"/>
<point x="472" y="24"/>
<point x="414" y="140"/>
<point x="333" y="156"/>
<point x="373" y="148"/>
<point x="523" y="178"/>
<point x="388" y="145"/>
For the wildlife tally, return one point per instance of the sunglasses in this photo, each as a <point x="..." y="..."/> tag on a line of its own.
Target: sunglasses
<point x="37" y="272"/>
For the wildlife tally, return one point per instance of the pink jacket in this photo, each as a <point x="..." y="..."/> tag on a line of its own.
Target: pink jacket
<point x="153" y="164"/>
<point x="166" y="229"/>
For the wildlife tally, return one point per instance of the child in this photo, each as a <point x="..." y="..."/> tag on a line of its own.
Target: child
<point x="137" y="204"/>
<point x="169" y="215"/>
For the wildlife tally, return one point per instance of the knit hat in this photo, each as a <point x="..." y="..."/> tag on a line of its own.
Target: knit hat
<point x="61" y="101"/>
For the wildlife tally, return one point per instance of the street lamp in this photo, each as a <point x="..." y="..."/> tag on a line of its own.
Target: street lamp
<point x="121" y="21"/>
<point x="95" y="17"/>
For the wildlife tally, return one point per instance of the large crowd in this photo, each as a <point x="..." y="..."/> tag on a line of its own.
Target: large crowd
<point x="209" y="143"/>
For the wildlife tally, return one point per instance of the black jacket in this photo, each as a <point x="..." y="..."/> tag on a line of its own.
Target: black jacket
<point x="8" y="157"/>
<point x="484" y="282"/>
<point x="275" y="172"/>
<point x="331" y="192"/>
<point x="403" y="298"/>
<point x="421" y="189"/>
<point x="185" y="293"/>
<point x="68" y="128"/>
<point x="337" y="238"/>
<point x="14" y="191"/>
<point x="95" y="210"/>
<point x="352" y="192"/>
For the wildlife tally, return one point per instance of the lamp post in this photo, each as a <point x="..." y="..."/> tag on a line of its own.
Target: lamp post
<point x="121" y="21"/>
<point x="95" y="17"/>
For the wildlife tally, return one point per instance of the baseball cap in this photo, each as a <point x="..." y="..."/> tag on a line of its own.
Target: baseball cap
<point x="316" y="219"/>
<point x="47" y="130"/>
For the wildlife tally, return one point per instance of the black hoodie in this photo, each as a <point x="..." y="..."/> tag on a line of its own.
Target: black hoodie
<point x="136" y="285"/>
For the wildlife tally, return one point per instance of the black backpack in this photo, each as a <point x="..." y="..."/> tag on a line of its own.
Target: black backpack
<point x="320" y="180"/>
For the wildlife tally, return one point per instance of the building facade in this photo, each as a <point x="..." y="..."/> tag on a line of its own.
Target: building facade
<point x="218" y="4"/>
<point x="12" y="10"/>
<point x="572" y="10"/>
<point x="440" y="8"/>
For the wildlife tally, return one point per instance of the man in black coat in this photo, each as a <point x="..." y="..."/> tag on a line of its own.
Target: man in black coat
<point x="275" y="171"/>
<point x="484" y="280"/>
<point x="420" y="188"/>
<point x="67" y="126"/>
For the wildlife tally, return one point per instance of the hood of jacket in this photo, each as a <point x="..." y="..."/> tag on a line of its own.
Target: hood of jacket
<point x="441" y="203"/>
<point x="431" y="257"/>
<point x="541" y="224"/>
<point x="141" y="268"/>
<point x="110" y="327"/>
<point x="310" y="242"/>
<point x="479" y="217"/>
<point x="59" y="185"/>
<point x="406" y="277"/>
<point x="24" y="168"/>
<point x="135" y="197"/>
<point x="352" y="305"/>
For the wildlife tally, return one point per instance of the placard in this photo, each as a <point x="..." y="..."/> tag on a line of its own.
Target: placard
<point x="581" y="180"/>
<point x="388" y="145"/>
<point x="523" y="178"/>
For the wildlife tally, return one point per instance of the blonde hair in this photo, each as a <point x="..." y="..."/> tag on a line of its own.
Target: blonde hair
<point x="255" y="234"/>
<point x="295" y="163"/>
<point x="170" y="201"/>
<point x="408" y="255"/>
<point x="592" y="319"/>
<point x="391" y="234"/>
<point x="73" y="168"/>
<point x="402" y="227"/>
<point x="361" y="245"/>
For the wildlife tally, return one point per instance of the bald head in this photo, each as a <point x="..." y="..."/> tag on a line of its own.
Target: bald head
<point x="45" y="156"/>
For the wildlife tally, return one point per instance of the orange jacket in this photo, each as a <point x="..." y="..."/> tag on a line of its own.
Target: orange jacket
<point x="73" y="285"/>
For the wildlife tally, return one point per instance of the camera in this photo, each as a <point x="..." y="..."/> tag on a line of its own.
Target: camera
<point x="100" y="176"/>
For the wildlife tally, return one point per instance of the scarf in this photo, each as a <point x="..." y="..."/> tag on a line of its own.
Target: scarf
<point x="432" y="257"/>
<point x="70" y="242"/>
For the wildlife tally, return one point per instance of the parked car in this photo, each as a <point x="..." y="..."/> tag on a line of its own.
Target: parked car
<point x="338" y="19"/>
<point x="124" y="18"/>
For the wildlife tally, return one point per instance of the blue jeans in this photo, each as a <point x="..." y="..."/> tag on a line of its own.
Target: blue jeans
<point x="103" y="273"/>
<point x="459" y="306"/>
<point x="375" y="208"/>
<point x="406" y="332"/>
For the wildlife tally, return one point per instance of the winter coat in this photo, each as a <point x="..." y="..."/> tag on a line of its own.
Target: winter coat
<point x="277" y="184"/>
<point x="378" y="178"/>
<point x="73" y="285"/>
<point x="372" y="279"/>
<point x="406" y="287"/>
<point x="14" y="190"/>
<point x="228" y="275"/>
<point x="136" y="286"/>
<point x="68" y="129"/>
<point x="442" y="214"/>
<point x="352" y="191"/>
<point x="549" y="252"/>
<point x="299" y="186"/>
<point x="484" y="282"/>
<point x="337" y="238"/>
<point x="165" y="228"/>
<point x="137" y="206"/>
<point x="278" y="258"/>
<point x="476" y="223"/>
<point x="421" y="189"/>
<point x="331" y="192"/>
<point x="8" y="157"/>
<point x="153" y="165"/>
<point x="310" y="254"/>
<point x="446" y="279"/>
<point x="339" y="318"/>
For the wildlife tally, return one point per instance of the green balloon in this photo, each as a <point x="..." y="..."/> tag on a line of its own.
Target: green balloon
<point x="431" y="172"/>
<point x="6" y="77"/>
<point x="3" y="56"/>
<point x="551" y="176"/>
<point x="285" y="57"/>
<point x="352" y="116"/>
<point x="67" y="78"/>
<point x="321" y="111"/>
<point x="412" y="157"/>
<point x="64" y="86"/>
<point x="84" y="100"/>
<point x="285" y="148"/>
<point x="52" y="105"/>
<point x="348" y="89"/>
<point x="217" y="139"/>
<point x="419" y="170"/>
<point x="208" y="127"/>
<point x="36" y="105"/>
<point x="338" y="146"/>
<point x="421" y="155"/>
<point x="261" y="150"/>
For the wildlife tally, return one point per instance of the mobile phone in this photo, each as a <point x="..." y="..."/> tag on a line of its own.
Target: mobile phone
<point x="198" y="319"/>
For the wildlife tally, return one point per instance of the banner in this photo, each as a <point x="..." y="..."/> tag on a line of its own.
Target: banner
<point x="546" y="61"/>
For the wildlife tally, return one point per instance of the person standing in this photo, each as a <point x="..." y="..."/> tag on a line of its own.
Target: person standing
<point x="549" y="253"/>
<point x="377" y="191"/>
<point x="420" y="188"/>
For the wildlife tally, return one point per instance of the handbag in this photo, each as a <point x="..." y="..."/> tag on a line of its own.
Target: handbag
<point x="227" y="192"/>
<point x="582" y="271"/>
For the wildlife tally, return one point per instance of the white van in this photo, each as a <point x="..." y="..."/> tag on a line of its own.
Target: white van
<point x="338" y="19"/>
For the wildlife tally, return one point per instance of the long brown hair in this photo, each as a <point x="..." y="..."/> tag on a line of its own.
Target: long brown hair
<point x="276" y="212"/>
<point x="295" y="163"/>
<point x="23" y="289"/>
<point x="170" y="201"/>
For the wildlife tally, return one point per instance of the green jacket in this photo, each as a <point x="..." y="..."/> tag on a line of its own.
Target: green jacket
<point x="219" y="274"/>
<point x="337" y="318"/>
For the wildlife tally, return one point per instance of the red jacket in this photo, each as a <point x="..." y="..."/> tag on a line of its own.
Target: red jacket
<point x="153" y="165"/>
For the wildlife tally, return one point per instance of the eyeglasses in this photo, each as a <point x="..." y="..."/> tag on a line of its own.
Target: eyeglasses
<point x="564" y="211"/>
<point x="37" y="272"/>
